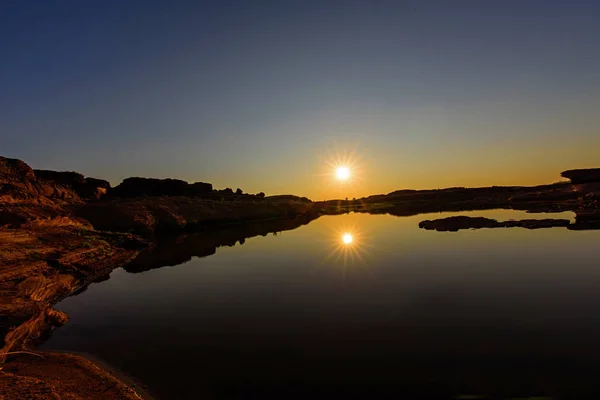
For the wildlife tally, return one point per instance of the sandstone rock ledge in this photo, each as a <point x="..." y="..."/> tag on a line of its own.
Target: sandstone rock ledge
<point x="61" y="376"/>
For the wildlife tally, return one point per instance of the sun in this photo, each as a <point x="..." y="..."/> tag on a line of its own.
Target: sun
<point x="347" y="238"/>
<point x="342" y="173"/>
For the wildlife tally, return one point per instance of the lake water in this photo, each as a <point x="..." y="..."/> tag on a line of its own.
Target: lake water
<point x="355" y="305"/>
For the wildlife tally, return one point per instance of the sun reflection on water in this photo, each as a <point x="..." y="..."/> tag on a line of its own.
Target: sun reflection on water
<point x="347" y="249"/>
<point x="347" y="238"/>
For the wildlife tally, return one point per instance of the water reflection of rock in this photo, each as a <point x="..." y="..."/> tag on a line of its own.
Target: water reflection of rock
<point x="457" y="223"/>
<point x="175" y="251"/>
<point x="584" y="220"/>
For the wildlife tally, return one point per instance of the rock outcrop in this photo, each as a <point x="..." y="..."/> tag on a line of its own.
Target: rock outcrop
<point x="11" y="168"/>
<point x="582" y="175"/>
<point x="453" y="224"/>
<point x="23" y="197"/>
<point x="86" y="188"/>
<point x="67" y="178"/>
<point x="140" y="187"/>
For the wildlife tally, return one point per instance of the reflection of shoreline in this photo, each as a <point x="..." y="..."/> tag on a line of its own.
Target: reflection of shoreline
<point x="175" y="251"/>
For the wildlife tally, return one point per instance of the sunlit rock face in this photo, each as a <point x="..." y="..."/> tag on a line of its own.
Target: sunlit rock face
<point x="11" y="168"/>
<point x="18" y="182"/>
<point x="86" y="188"/>
<point x="582" y="175"/>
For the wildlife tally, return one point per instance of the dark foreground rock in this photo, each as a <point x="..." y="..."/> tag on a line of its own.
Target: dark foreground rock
<point x="48" y="375"/>
<point x="46" y="253"/>
<point x="453" y="224"/>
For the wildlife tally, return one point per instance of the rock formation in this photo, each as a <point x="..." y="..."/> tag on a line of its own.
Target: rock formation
<point x="11" y="168"/>
<point x="582" y="175"/>
<point x="86" y="188"/>
<point x="139" y="187"/>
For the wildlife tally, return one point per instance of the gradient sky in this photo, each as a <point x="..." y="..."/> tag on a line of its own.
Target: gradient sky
<point x="262" y="94"/>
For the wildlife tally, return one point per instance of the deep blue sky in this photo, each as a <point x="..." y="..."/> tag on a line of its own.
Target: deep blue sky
<point x="262" y="94"/>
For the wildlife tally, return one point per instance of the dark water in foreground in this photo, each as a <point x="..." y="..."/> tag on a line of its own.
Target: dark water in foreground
<point x="397" y="313"/>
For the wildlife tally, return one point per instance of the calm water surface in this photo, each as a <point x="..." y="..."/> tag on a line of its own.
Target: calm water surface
<point x="354" y="305"/>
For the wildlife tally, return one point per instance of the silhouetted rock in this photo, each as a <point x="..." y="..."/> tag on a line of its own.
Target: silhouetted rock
<point x="101" y="183"/>
<point x="200" y="188"/>
<point x="260" y="195"/>
<point x="453" y="224"/>
<point x="138" y="187"/>
<point x="239" y="191"/>
<point x="288" y="197"/>
<point x="582" y="175"/>
<point x="67" y="178"/>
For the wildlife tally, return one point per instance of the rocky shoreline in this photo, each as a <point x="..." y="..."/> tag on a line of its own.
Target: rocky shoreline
<point x="60" y="231"/>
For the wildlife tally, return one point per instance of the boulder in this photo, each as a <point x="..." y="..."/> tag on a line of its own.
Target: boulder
<point x="11" y="168"/>
<point x="582" y="175"/>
